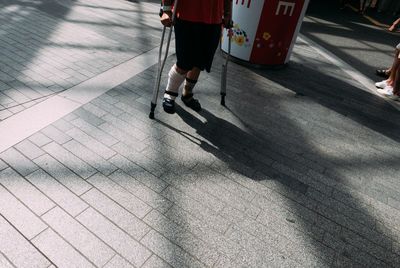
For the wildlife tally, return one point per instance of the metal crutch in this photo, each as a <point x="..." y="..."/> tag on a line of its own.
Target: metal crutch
<point x="161" y="64"/>
<point x="225" y="69"/>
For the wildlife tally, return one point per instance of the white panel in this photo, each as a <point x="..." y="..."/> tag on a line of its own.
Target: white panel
<point x="246" y="19"/>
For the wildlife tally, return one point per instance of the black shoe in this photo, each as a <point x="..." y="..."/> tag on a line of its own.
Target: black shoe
<point x="168" y="105"/>
<point x="190" y="102"/>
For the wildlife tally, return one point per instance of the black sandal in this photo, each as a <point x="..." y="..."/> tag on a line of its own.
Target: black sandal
<point x="382" y="73"/>
<point x="191" y="102"/>
<point x="169" y="104"/>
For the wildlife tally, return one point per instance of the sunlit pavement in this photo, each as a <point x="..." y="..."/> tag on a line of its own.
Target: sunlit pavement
<point x="301" y="169"/>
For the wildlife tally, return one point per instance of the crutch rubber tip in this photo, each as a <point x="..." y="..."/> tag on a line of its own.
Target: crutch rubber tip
<point x="152" y="108"/>
<point x="223" y="100"/>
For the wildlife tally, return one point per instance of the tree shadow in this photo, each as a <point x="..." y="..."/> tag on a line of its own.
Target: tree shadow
<point x="350" y="30"/>
<point x="351" y="101"/>
<point x="24" y="33"/>
<point x="311" y="196"/>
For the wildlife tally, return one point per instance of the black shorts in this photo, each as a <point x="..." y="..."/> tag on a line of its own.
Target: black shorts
<point x="196" y="44"/>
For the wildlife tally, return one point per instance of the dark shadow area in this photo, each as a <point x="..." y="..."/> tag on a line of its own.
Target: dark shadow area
<point x="348" y="100"/>
<point x="272" y="149"/>
<point x="262" y="158"/>
<point x="336" y="30"/>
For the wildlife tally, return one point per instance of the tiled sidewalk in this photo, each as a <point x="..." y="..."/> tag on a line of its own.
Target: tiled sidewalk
<point x="47" y="47"/>
<point x="294" y="173"/>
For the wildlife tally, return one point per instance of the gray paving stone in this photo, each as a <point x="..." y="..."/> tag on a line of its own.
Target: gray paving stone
<point x="18" y="161"/>
<point x="342" y="261"/>
<point x="289" y="238"/>
<point x="25" y="192"/>
<point x="138" y="173"/>
<point x="168" y="251"/>
<point x="120" y="241"/>
<point x="16" y="96"/>
<point x="90" y="157"/>
<point x="29" y="149"/>
<point x="394" y="203"/>
<point x="190" y="188"/>
<point x="97" y="111"/>
<point x="59" y="251"/>
<point x="19" y="215"/>
<point x="227" y="262"/>
<point x="363" y="244"/>
<point x="120" y="195"/>
<point x="149" y="196"/>
<point x="17" y="249"/>
<point x="196" y="208"/>
<point x="91" y="143"/>
<point x="348" y="211"/>
<point x="4" y="114"/>
<point x="3" y="165"/>
<point x="107" y="107"/>
<point x="119" y="262"/>
<point x="63" y="125"/>
<point x="68" y="159"/>
<point x="95" y="132"/>
<point x="209" y="184"/>
<point x="142" y="160"/>
<point x="56" y="134"/>
<point x="89" y="117"/>
<point x="57" y="192"/>
<point x="62" y="174"/>
<point x="15" y="109"/>
<point x="117" y="214"/>
<point x="124" y="137"/>
<point x="369" y="233"/>
<point x="361" y="257"/>
<point x="155" y="262"/>
<point x="191" y="244"/>
<point x="297" y="211"/>
<point x="4" y="262"/>
<point x="253" y="248"/>
<point x="70" y="117"/>
<point x="122" y="125"/>
<point x="79" y="237"/>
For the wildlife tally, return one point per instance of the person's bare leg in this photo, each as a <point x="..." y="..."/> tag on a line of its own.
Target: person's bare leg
<point x="394" y="69"/>
<point x="191" y="78"/>
<point x="396" y="81"/>
<point x="187" y="94"/>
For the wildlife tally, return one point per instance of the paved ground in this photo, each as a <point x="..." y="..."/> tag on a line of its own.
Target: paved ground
<point x="300" y="170"/>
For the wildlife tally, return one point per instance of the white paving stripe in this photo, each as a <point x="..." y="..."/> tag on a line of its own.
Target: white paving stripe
<point x="353" y="73"/>
<point x="24" y="124"/>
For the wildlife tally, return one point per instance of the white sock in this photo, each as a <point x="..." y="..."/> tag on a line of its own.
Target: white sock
<point x="175" y="80"/>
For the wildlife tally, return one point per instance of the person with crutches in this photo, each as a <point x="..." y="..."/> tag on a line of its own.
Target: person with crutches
<point x="197" y="28"/>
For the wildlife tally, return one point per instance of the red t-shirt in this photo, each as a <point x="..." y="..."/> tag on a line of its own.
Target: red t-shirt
<point x="205" y="11"/>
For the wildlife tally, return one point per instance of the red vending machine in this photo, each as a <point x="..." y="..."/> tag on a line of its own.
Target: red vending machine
<point x="265" y="31"/>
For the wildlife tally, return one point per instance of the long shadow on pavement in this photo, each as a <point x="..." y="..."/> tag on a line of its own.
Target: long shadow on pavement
<point x="349" y="36"/>
<point x="319" y="191"/>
